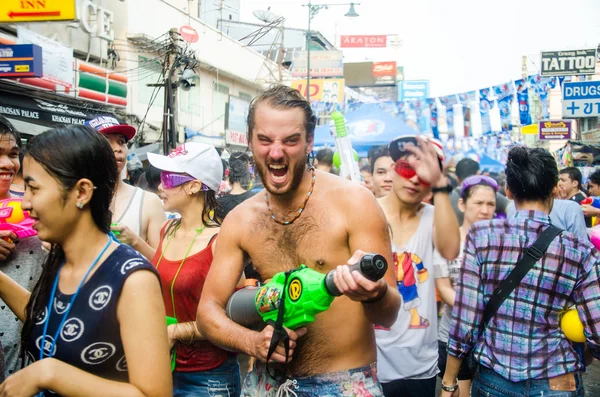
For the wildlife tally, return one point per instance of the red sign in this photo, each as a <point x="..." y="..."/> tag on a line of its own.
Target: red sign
<point x="384" y="69"/>
<point x="189" y="34"/>
<point x="376" y="41"/>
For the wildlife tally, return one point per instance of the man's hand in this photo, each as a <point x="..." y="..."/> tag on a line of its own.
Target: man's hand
<point x="6" y="243"/>
<point x="262" y="342"/>
<point x="425" y="161"/>
<point x="356" y="286"/>
<point x="589" y="211"/>
<point x="125" y="235"/>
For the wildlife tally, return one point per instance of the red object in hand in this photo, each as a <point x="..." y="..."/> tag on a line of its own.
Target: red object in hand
<point x="587" y="201"/>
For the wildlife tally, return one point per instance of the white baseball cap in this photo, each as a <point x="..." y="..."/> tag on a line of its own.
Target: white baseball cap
<point x="199" y="160"/>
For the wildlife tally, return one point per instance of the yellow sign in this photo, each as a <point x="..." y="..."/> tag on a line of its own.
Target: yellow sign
<point x="325" y="90"/>
<point x="12" y="11"/>
<point x="531" y="129"/>
<point x="295" y="290"/>
<point x="21" y="68"/>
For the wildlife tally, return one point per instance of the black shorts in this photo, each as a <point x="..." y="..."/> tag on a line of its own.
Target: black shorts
<point x="463" y="374"/>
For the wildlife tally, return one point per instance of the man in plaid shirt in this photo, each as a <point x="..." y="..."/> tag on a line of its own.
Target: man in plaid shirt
<point x="523" y="349"/>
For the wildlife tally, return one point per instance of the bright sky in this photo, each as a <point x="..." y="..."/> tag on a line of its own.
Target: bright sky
<point x="458" y="45"/>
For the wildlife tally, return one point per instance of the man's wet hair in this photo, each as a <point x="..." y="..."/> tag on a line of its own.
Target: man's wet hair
<point x="531" y="174"/>
<point x="283" y="97"/>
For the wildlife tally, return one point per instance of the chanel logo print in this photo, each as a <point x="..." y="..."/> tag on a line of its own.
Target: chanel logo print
<point x="72" y="330"/>
<point x="122" y="365"/>
<point x="100" y="297"/>
<point x="97" y="353"/>
<point x="60" y="306"/>
<point x="47" y="345"/>
<point x="42" y="317"/>
<point x="130" y="264"/>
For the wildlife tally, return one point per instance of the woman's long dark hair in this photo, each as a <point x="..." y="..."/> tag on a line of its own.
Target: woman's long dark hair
<point x="70" y="154"/>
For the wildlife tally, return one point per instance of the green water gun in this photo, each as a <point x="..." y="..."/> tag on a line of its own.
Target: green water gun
<point x="171" y="321"/>
<point x="296" y="295"/>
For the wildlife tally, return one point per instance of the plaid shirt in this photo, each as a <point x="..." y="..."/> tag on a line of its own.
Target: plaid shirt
<point x="524" y="340"/>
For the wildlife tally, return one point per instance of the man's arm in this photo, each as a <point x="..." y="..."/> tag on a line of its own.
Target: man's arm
<point x="446" y="236"/>
<point x="224" y="274"/>
<point x="369" y="233"/>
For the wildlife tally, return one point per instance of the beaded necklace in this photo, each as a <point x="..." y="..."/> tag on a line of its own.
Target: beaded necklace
<point x="301" y="209"/>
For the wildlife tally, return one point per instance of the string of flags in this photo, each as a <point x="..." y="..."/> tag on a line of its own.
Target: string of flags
<point x="422" y="114"/>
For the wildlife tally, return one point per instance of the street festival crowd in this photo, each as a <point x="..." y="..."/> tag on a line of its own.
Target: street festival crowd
<point x="482" y="269"/>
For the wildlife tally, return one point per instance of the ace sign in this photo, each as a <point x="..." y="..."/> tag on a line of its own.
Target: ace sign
<point x="568" y="63"/>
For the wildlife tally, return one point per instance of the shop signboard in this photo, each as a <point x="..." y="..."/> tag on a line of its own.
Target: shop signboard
<point x="569" y="62"/>
<point x="555" y="129"/>
<point x="20" y="60"/>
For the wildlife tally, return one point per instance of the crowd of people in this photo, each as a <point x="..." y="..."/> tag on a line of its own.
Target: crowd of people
<point x="124" y="289"/>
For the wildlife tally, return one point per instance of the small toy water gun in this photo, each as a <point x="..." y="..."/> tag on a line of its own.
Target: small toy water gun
<point x="302" y="293"/>
<point x="13" y="218"/>
<point x="343" y="144"/>
<point x="593" y="201"/>
<point x="171" y="321"/>
<point x="572" y="327"/>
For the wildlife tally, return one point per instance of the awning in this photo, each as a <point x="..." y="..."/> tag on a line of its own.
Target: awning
<point x="43" y="111"/>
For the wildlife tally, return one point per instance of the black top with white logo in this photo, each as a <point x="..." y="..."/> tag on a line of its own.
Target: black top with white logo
<point x="90" y="338"/>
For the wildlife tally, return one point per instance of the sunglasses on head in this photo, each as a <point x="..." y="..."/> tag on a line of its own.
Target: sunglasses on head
<point x="406" y="171"/>
<point x="478" y="180"/>
<point x="170" y="180"/>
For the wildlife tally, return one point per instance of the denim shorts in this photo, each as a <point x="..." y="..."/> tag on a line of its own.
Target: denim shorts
<point x="488" y="383"/>
<point x="223" y="381"/>
<point x="358" y="382"/>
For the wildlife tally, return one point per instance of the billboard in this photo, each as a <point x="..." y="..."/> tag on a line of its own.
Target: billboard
<point x="363" y="41"/>
<point x="413" y="89"/>
<point x="20" y="60"/>
<point x="322" y="64"/>
<point x="236" y="118"/>
<point x="325" y="90"/>
<point x="568" y="63"/>
<point x="384" y="73"/>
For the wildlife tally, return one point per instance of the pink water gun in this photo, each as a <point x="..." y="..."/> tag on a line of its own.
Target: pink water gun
<point x="13" y="218"/>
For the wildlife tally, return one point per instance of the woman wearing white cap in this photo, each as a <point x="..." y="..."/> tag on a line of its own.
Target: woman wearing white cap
<point x="190" y="178"/>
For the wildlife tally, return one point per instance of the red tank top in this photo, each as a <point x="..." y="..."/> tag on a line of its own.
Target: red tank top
<point x="200" y="355"/>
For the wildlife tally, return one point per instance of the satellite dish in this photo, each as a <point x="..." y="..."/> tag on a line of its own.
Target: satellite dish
<point x="266" y="16"/>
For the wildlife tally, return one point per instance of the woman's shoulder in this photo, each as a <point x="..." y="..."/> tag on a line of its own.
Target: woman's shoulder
<point x="126" y="260"/>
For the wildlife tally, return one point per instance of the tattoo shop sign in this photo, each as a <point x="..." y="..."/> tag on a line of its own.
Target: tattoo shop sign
<point x="568" y="63"/>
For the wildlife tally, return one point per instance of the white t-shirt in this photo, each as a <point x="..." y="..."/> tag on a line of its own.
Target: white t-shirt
<point x="446" y="268"/>
<point x="408" y="351"/>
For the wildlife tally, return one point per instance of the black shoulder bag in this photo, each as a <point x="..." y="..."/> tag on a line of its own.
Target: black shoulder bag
<point x="508" y="285"/>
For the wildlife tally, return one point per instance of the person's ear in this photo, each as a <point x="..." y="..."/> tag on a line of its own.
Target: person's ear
<point x="82" y="192"/>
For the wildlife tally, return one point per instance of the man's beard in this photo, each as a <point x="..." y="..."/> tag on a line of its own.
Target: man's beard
<point x="297" y="174"/>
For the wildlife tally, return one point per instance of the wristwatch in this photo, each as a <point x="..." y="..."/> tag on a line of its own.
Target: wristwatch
<point x="444" y="189"/>
<point x="450" y="389"/>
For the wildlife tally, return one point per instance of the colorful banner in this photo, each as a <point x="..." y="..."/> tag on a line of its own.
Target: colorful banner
<point x="448" y="102"/>
<point x="505" y="105"/>
<point x="485" y="106"/>
<point x="466" y="99"/>
<point x="433" y="118"/>
<point x="523" y="98"/>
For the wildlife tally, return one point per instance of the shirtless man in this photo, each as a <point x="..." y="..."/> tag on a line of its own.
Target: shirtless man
<point x="339" y="220"/>
<point x="134" y="211"/>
